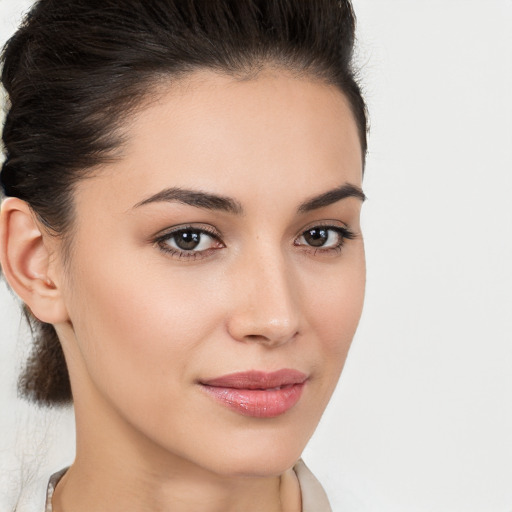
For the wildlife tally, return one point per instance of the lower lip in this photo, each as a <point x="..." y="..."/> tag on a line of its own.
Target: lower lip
<point x="258" y="403"/>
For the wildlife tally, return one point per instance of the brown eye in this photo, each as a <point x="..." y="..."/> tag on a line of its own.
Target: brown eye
<point x="316" y="237"/>
<point x="324" y="238"/>
<point x="187" y="240"/>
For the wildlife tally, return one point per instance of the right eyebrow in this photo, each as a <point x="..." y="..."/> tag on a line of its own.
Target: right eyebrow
<point x="332" y="196"/>
<point x="195" y="198"/>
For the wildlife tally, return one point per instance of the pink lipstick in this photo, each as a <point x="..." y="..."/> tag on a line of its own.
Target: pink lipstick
<point x="256" y="393"/>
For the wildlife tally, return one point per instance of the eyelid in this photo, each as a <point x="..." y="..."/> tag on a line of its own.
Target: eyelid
<point x="206" y="228"/>
<point x="342" y="229"/>
<point x="326" y="223"/>
<point x="160" y="238"/>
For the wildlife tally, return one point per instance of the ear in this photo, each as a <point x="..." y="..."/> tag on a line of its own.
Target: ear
<point x="26" y="262"/>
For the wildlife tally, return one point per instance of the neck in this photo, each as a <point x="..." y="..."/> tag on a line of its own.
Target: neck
<point x="81" y="490"/>
<point x="119" y="470"/>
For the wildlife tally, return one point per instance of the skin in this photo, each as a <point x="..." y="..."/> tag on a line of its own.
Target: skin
<point x="140" y="327"/>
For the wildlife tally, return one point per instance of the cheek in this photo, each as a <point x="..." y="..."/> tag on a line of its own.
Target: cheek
<point x="133" y="321"/>
<point x="336" y="303"/>
<point x="335" y="306"/>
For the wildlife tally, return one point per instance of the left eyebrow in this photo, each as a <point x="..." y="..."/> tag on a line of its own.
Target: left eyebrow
<point x="331" y="197"/>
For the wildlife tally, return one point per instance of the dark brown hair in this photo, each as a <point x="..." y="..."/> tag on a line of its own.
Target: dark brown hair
<point x="76" y="69"/>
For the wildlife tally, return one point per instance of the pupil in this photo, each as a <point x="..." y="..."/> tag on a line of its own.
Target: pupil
<point x="187" y="240"/>
<point x="316" y="237"/>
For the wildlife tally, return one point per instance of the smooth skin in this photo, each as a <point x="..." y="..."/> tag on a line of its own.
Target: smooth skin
<point x="143" y="322"/>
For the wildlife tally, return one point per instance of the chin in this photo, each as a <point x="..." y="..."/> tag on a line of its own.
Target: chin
<point x="258" y="466"/>
<point x="263" y="457"/>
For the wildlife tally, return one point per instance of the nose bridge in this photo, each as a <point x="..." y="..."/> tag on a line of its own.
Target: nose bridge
<point x="266" y="307"/>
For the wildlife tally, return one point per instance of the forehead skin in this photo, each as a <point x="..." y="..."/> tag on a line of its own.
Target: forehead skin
<point x="208" y="126"/>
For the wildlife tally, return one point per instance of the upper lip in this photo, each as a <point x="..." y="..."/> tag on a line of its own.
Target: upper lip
<point x="255" y="379"/>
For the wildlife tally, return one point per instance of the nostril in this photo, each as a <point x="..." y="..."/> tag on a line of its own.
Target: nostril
<point x="258" y="337"/>
<point x="271" y="338"/>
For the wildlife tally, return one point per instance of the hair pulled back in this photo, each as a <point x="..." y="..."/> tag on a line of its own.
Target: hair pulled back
<point x="76" y="69"/>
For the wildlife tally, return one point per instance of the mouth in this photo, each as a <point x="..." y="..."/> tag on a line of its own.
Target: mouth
<point x="257" y="394"/>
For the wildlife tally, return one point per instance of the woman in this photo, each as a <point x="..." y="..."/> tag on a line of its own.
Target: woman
<point x="183" y="191"/>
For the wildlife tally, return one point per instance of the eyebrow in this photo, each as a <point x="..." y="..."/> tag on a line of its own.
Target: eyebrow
<point x="195" y="198"/>
<point x="332" y="196"/>
<point x="216" y="202"/>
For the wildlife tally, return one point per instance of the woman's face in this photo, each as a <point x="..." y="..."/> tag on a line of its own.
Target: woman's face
<point x="217" y="273"/>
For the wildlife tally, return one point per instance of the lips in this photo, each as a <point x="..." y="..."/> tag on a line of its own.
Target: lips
<point x="257" y="394"/>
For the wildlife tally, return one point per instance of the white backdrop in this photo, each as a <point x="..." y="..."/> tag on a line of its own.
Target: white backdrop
<point x="422" y="419"/>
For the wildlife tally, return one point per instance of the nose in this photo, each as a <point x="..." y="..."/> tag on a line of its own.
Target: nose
<point x="265" y="302"/>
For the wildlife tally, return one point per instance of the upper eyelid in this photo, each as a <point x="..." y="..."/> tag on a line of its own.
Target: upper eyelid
<point x="203" y="228"/>
<point x="333" y="224"/>
<point x="325" y="223"/>
<point x="210" y="230"/>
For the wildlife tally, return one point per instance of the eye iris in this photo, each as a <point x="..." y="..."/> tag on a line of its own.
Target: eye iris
<point x="316" y="236"/>
<point x="187" y="240"/>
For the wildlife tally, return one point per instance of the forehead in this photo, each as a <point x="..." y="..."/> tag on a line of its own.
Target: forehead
<point x="234" y="137"/>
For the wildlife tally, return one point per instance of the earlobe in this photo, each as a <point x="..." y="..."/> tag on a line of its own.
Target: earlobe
<point x="25" y="261"/>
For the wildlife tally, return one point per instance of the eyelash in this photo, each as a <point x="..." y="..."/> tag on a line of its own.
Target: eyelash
<point x="161" y="241"/>
<point x="343" y="233"/>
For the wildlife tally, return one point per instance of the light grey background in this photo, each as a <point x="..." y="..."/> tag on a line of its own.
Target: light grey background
<point x="422" y="419"/>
